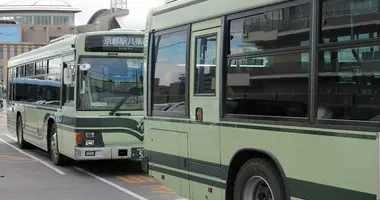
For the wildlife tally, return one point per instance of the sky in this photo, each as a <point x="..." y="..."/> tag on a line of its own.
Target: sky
<point x="89" y="7"/>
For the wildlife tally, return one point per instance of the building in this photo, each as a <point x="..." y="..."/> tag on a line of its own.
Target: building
<point x="103" y="20"/>
<point x="26" y="25"/>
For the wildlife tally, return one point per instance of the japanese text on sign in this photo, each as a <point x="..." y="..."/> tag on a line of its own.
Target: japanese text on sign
<point x="122" y="41"/>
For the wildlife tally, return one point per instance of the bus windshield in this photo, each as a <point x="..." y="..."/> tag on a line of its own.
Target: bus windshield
<point x="111" y="80"/>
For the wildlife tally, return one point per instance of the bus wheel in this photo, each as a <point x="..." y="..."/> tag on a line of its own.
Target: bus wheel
<point x="259" y="179"/>
<point x="57" y="158"/>
<point x="20" y="134"/>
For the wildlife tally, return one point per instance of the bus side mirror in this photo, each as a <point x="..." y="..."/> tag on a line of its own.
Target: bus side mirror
<point x="67" y="76"/>
<point x="84" y="67"/>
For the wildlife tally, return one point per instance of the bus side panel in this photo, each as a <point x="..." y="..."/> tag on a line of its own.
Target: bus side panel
<point x="30" y="118"/>
<point x="317" y="163"/>
<point x="166" y="144"/>
<point x="11" y="121"/>
<point x="66" y="140"/>
<point x="66" y="131"/>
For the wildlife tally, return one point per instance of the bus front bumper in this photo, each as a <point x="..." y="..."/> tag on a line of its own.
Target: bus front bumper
<point x="108" y="153"/>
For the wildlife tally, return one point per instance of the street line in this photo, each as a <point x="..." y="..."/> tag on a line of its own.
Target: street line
<point x="10" y="136"/>
<point x="35" y="158"/>
<point x="111" y="184"/>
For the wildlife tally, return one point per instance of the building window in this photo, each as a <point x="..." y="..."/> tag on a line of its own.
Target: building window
<point x="270" y="30"/>
<point x="268" y="86"/>
<point x="169" y="70"/>
<point x="349" y="20"/>
<point x="9" y="52"/>
<point x="348" y="84"/>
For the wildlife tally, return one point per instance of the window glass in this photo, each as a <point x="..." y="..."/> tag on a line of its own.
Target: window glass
<point x="30" y="69"/>
<point x="345" y="20"/>
<point x="54" y="69"/>
<point x="205" y="67"/>
<point x="111" y="81"/>
<point x="68" y="90"/>
<point x="22" y="71"/>
<point x="9" y="52"/>
<point x="169" y="69"/>
<point x="349" y="82"/>
<point x="15" y="53"/>
<point x="285" y="27"/>
<point x="40" y="68"/>
<point x="270" y="85"/>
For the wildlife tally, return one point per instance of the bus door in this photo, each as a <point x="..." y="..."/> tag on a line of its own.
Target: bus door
<point x="204" y="106"/>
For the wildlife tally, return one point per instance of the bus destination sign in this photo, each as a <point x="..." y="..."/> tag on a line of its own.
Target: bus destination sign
<point x="114" y="43"/>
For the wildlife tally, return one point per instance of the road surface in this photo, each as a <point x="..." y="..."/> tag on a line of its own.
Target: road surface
<point x="29" y="174"/>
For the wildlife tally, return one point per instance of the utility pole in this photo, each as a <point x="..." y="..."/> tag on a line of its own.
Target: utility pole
<point x="118" y="4"/>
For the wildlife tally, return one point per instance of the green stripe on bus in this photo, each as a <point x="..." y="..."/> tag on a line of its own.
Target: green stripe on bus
<point x="266" y="128"/>
<point x="297" y="188"/>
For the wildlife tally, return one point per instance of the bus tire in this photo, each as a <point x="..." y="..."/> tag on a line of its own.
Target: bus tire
<point x="259" y="179"/>
<point x="22" y="144"/>
<point x="57" y="158"/>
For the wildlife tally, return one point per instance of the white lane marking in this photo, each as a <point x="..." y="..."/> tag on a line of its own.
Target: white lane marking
<point x="35" y="158"/>
<point x="111" y="184"/>
<point x="10" y="136"/>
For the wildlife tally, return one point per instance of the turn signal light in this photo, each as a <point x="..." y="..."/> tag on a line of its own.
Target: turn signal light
<point x="78" y="138"/>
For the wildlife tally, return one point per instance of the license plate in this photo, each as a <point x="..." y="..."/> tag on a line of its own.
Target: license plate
<point x="123" y="152"/>
<point x="137" y="153"/>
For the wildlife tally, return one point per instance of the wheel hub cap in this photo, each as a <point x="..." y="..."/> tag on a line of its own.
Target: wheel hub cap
<point x="257" y="188"/>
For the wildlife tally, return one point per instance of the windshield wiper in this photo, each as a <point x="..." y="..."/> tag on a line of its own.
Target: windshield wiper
<point x="121" y="102"/>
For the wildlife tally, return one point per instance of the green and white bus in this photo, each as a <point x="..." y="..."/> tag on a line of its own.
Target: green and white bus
<point x="80" y="97"/>
<point x="265" y="99"/>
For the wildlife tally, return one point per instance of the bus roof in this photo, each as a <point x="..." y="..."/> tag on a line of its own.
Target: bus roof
<point x="166" y="16"/>
<point x="51" y="49"/>
<point x="62" y="45"/>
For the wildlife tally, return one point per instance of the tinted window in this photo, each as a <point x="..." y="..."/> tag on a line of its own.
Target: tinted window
<point x="268" y="85"/>
<point x="349" y="82"/>
<point x="42" y="88"/>
<point x="286" y="27"/>
<point x="345" y="20"/>
<point x="169" y="68"/>
<point x="205" y="67"/>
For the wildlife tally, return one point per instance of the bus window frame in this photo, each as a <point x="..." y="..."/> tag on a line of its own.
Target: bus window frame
<point x="34" y="63"/>
<point x="151" y="57"/>
<point x="78" y="77"/>
<point x="314" y="47"/>
<point x="299" y="121"/>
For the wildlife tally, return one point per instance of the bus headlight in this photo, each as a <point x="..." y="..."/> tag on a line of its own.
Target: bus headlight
<point x="89" y="142"/>
<point x="90" y="134"/>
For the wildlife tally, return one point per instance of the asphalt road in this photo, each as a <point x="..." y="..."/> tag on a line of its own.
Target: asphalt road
<point x="29" y="174"/>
